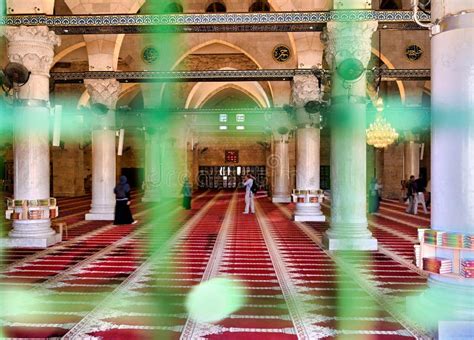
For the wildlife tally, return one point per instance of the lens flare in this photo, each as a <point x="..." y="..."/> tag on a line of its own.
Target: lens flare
<point x="214" y="300"/>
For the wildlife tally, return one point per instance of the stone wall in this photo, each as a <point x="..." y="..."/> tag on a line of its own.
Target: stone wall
<point x="250" y="153"/>
<point x="393" y="171"/>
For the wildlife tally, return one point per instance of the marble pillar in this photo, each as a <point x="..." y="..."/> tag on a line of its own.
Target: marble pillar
<point x="450" y="298"/>
<point x="307" y="194"/>
<point x="411" y="159"/>
<point x="32" y="47"/>
<point x="379" y="164"/>
<point x="152" y="166"/>
<point x="104" y="92"/>
<point x="281" y="169"/>
<point x="171" y="167"/>
<point x="348" y="228"/>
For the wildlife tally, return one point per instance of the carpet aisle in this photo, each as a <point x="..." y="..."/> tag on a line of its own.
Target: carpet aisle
<point x="104" y="283"/>
<point x="72" y="277"/>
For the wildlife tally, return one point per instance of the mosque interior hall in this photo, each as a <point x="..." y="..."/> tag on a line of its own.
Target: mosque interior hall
<point x="237" y="169"/>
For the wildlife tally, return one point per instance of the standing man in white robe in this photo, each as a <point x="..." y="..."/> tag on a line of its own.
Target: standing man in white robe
<point x="249" y="203"/>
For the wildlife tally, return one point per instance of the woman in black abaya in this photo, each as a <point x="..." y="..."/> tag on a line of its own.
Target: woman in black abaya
<point x="123" y="215"/>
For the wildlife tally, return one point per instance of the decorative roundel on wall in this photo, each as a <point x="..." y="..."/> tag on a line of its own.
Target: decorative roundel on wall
<point x="281" y="53"/>
<point x="150" y="55"/>
<point x="413" y="52"/>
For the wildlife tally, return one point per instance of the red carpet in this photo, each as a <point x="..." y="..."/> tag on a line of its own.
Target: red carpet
<point x="104" y="282"/>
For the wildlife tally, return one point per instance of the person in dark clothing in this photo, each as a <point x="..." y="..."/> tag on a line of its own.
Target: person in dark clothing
<point x="187" y="192"/>
<point x="374" y="196"/>
<point x="411" y="192"/>
<point x="420" y="195"/>
<point x="123" y="215"/>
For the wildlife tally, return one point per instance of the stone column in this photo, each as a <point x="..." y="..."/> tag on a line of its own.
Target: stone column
<point x="32" y="47"/>
<point x="308" y="207"/>
<point x="152" y="165"/>
<point x="104" y="92"/>
<point x="379" y="164"/>
<point x="348" y="227"/>
<point x="281" y="169"/>
<point x="411" y="159"/>
<point x="450" y="297"/>
<point x="171" y="167"/>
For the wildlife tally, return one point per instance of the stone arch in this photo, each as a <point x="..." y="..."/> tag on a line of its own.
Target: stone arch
<point x="211" y="42"/>
<point x="202" y="92"/>
<point x="68" y="50"/>
<point x="219" y="3"/>
<point x="236" y="87"/>
<point x="390" y="65"/>
<point x="173" y="7"/>
<point x="208" y="43"/>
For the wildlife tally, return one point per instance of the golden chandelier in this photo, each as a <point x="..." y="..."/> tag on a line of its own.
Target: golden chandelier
<point x="380" y="133"/>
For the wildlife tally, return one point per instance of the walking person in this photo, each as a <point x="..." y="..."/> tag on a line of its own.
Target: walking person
<point x="428" y="192"/>
<point x="420" y="195"/>
<point x="187" y="192"/>
<point x="249" y="203"/>
<point x="411" y="192"/>
<point x="403" y="190"/>
<point x="373" y="196"/>
<point x="123" y="215"/>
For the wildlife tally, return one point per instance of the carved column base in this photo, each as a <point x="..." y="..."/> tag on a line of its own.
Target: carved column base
<point x="103" y="212"/>
<point x="349" y="236"/>
<point x="151" y="196"/>
<point x="350" y="243"/>
<point x="281" y="198"/>
<point x="308" y="212"/>
<point x="31" y="234"/>
<point x="448" y="302"/>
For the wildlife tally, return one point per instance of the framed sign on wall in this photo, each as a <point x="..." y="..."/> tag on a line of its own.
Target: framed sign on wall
<point x="232" y="156"/>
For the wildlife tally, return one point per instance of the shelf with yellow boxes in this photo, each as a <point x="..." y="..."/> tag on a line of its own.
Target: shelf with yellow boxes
<point x="446" y="254"/>
<point x="31" y="209"/>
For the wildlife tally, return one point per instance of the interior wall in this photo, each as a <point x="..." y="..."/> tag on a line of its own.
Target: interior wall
<point x="250" y="153"/>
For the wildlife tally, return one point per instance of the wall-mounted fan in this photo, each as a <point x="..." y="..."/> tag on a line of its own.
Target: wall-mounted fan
<point x="13" y="76"/>
<point x="350" y="69"/>
<point x="99" y="109"/>
<point x="264" y="145"/>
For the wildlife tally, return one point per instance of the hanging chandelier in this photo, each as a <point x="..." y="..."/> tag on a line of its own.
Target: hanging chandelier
<point x="380" y="133"/>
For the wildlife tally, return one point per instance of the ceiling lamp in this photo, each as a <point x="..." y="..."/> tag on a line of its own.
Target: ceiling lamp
<point x="380" y="133"/>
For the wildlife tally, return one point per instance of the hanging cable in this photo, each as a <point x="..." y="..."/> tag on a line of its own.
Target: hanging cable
<point x="415" y="15"/>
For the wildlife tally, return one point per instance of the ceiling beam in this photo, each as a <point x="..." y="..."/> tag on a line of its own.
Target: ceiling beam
<point x="225" y="75"/>
<point x="215" y="22"/>
<point x="202" y="111"/>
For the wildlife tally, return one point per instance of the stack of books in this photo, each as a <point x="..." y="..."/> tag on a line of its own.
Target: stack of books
<point x="467" y="268"/>
<point x="452" y="240"/>
<point x="430" y="236"/>
<point x="438" y="265"/>
<point x="468" y="241"/>
<point x="417" y="255"/>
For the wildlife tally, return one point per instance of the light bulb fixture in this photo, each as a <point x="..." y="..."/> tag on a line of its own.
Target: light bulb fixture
<point x="380" y="133"/>
<point x="379" y="104"/>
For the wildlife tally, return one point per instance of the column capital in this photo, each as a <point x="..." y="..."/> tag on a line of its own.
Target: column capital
<point x="32" y="46"/>
<point x="279" y="137"/>
<point x="345" y="40"/>
<point x="103" y="91"/>
<point x="305" y="89"/>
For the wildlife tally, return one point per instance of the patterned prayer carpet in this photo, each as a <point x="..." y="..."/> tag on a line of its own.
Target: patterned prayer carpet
<point x="132" y="281"/>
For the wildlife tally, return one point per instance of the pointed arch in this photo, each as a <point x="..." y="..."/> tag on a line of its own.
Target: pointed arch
<point x="390" y="65"/>
<point x="202" y="92"/>
<point x="68" y="50"/>
<point x="211" y="42"/>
